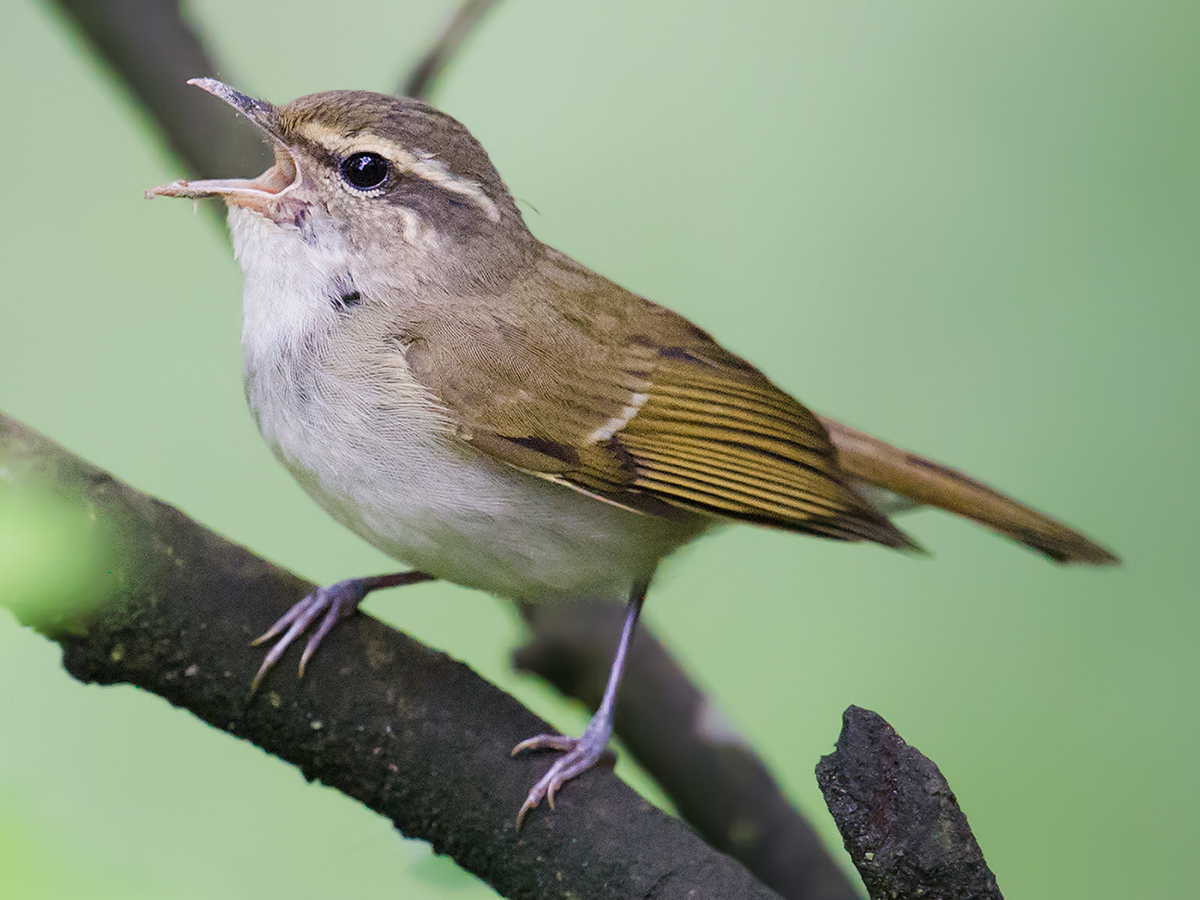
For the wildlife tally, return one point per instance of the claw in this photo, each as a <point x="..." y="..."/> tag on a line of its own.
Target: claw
<point x="579" y="755"/>
<point x="546" y="742"/>
<point x="296" y="620"/>
<point x="285" y="620"/>
<point x="337" y="602"/>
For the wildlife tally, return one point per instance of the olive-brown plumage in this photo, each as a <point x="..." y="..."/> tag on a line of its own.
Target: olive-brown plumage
<point x="492" y="412"/>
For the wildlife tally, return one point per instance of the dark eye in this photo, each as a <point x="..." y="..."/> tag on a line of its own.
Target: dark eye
<point x="365" y="170"/>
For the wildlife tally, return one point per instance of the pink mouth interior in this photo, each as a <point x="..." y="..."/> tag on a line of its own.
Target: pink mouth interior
<point x="241" y="191"/>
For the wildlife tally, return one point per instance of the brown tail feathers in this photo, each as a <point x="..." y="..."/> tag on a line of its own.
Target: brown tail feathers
<point x="926" y="483"/>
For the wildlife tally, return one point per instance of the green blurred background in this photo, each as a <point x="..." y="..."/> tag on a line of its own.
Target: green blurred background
<point x="971" y="228"/>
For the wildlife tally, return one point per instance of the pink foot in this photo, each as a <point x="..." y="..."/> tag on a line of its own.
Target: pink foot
<point x="579" y="755"/>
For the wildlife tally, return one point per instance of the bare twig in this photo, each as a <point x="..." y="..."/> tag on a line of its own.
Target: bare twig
<point x="421" y="78"/>
<point x="899" y="818"/>
<point x="154" y="51"/>
<point x="407" y="731"/>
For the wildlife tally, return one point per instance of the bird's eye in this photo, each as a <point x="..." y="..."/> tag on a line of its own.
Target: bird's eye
<point x="365" y="171"/>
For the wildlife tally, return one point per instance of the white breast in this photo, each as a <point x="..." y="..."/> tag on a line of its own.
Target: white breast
<point x="373" y="448"/>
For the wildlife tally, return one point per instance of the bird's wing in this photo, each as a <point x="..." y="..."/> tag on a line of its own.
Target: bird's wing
<point x="579" y="381"/>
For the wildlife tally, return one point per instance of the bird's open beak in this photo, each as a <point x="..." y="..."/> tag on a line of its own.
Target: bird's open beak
<point x="253" y="193"/>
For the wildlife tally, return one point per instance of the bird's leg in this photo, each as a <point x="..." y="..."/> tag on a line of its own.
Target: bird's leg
<point x="581" y="753"/>
<point x="336" y="602"/>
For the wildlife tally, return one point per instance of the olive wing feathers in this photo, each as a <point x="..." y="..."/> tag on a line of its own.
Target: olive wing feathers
<point x="568" y="376"/>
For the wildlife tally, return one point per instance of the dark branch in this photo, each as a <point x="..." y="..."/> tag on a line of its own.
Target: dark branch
<point x="717" y="782"/>
<point x="424" y="74"/>
<point x="899" y="818"/>
<point x="404" y="729"/>
<point x="154" y="51"/>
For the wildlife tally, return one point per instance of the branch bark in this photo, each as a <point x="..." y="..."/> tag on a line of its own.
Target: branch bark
<point x="900" y="821"/>
<point x="404" y="729"/>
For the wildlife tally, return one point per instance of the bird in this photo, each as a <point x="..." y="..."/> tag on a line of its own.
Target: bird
<point x="490" y="412"/>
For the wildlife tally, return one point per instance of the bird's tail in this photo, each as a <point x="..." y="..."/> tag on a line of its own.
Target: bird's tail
<point x="894" y="479"/>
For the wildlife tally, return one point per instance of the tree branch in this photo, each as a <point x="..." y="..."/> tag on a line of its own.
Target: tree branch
<point x="900" y="820"/>
<point x="407" y="731"/>
<point x="421" y="78"/>
<point x="154" y="51"/>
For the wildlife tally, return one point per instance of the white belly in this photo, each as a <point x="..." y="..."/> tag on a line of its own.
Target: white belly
<point x="394" y="476"/>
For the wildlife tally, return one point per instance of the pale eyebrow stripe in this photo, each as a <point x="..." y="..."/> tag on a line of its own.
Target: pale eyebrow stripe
<point x="415" y="162"/>
<point x="433" y="170"/>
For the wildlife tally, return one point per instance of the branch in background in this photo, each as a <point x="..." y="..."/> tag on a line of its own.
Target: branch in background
<point x="421" y="79"/>
<point x="154" y="52"/>
<point x="898" y="817"/>
<point x="717" y="782"/>
<point x="402" y="728"/>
